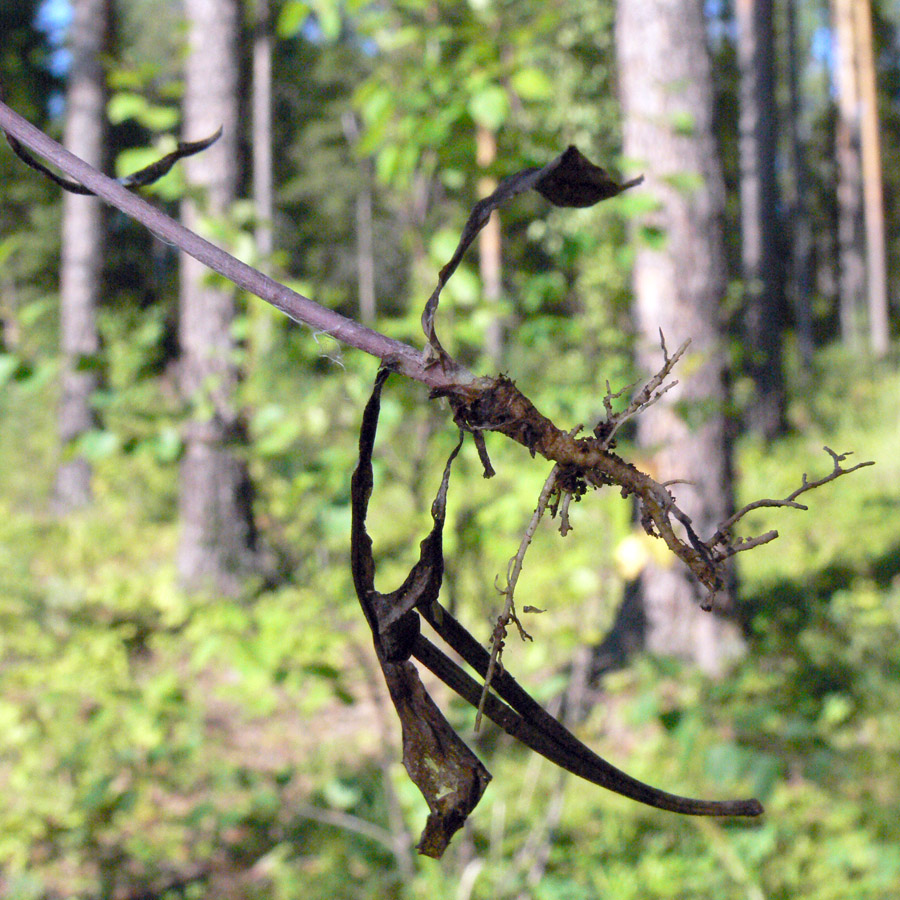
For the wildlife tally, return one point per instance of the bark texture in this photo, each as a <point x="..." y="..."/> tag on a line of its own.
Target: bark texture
<point x="679" y="282"/>
<point x="762" y="270"/>
<point x="873" y="182"/>
<point x="218" y="539"/>
<point x="851" y="235"/>
<point x="82" y="248"/>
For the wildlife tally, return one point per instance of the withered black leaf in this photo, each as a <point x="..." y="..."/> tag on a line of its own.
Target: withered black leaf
<point x="141" y="178"/>
<point x="450" y="777"/>
<point x="568" y="180"/>
<point x="576" y="181"/>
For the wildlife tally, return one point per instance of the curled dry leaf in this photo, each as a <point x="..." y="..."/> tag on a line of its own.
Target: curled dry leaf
<point x="141" y="178"/>
<point x="449" y="775"/>
<point x="568" y="180"/>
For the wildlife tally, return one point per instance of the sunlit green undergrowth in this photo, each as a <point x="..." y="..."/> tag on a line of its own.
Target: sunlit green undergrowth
<point x="146" y="734"/>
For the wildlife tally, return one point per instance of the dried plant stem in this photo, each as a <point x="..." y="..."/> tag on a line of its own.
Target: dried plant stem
<point x="512" y="578"/>
<point x="731" y="546"/>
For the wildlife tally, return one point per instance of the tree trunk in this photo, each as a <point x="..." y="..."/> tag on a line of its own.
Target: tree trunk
<point x="762" y="271"/>
<point x="365" y="229"/>
<point x="679" y="283"/>
<point x="262" y="129"/>
<point x="873" y="183"/>
<point x="218" y="538"/>
<point x="490" y="249"/>
<point x="851" y="249"/>
<point x="801" y="237"/>
<point x="260" y="318"/>
<point x="82" y="248"/>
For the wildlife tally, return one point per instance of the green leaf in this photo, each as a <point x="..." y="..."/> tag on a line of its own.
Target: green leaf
<point x="687" y="183"/>
<point x="125" y="105"/>
<point x="655" y="238"/>
<point x="167" y="445"/>
<point x="341" y="793"/>
<point x="8" y="246"/>
<point x="9" y="365"/>
<point x="32" y="312"/>
<point x="386" y="163"/>
<point x="158" y="118"/>
<point x="97" y="444"/>
<point x="328" y="15"/>
<point x="531" y="84"/>
<point x="465" y="288"/>
<point x="490" y="106"/>
<point x="89" y="362"/>
<point x="442" y="245"/>
<point x="293" y="14"/>
<point x="683" y="123"/>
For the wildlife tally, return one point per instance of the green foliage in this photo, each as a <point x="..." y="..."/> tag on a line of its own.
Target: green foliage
<point x="146" y="736"/>
<point x="141" y="725"/>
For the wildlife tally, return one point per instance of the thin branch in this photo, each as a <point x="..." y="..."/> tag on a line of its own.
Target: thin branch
<point x="741" y="544"/>
<point x="652" y="391"/>
<point x="722" y="535"/>
<point x="405" y="359"/>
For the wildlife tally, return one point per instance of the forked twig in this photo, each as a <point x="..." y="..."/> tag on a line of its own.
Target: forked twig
<point x="651" y="392"/>
<point x="728" y="546"/>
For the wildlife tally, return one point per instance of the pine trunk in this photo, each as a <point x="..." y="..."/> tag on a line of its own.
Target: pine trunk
<point x="365" y="229"/>
<point x="873" y="182"/>
<point x="851" y="242"/>
<point x="679" y="284"/>
<point x="260" y="318"/>
<point x="801" y="236"/>
<point x="490" y="242"/>
<point x="82" y="249"/>
<point x="262" y="130"/>
<point x="217" y="544"/>
<point x="762" y="271"/>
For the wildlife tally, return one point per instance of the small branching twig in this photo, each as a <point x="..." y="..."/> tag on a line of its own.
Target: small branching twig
<point x="652" y="391"/>
<point x="557" y="493"/>
<point x="724" y="546"/>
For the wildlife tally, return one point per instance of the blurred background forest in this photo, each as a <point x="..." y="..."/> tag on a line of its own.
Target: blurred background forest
<point x="190" y="704"/>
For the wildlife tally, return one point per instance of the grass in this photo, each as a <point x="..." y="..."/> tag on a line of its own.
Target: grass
<point x="142" y="725"/>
